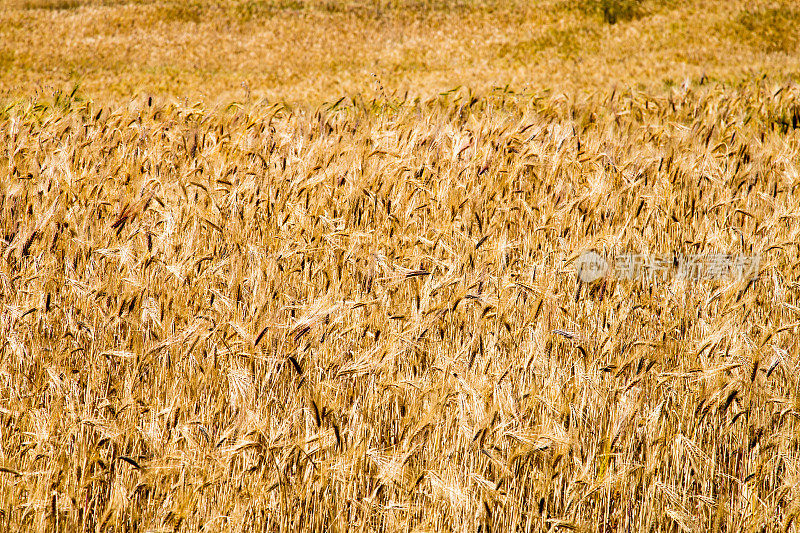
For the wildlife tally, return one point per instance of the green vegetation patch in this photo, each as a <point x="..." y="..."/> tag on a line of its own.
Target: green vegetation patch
<point x="774" y="29"/>
<point x="616" y="11"/>
<point x="568" y="42"/>
<point x="184" y="12"/>
<point x="55" y="5"/>
<point x="258" y="9"/>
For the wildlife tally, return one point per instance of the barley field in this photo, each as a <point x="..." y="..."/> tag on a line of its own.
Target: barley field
<point x="368" y="312"/>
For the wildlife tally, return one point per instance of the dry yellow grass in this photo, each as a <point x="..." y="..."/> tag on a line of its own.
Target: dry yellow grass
<point x="358" y="309"/>
<point x="342" y="319"/>
<point x="312" y="51"/>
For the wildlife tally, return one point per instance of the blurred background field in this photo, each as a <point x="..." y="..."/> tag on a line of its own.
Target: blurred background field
<point x="313" y="51"/>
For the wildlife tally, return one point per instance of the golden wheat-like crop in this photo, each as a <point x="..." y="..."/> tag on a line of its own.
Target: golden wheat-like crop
<point x="367" y="316"/>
